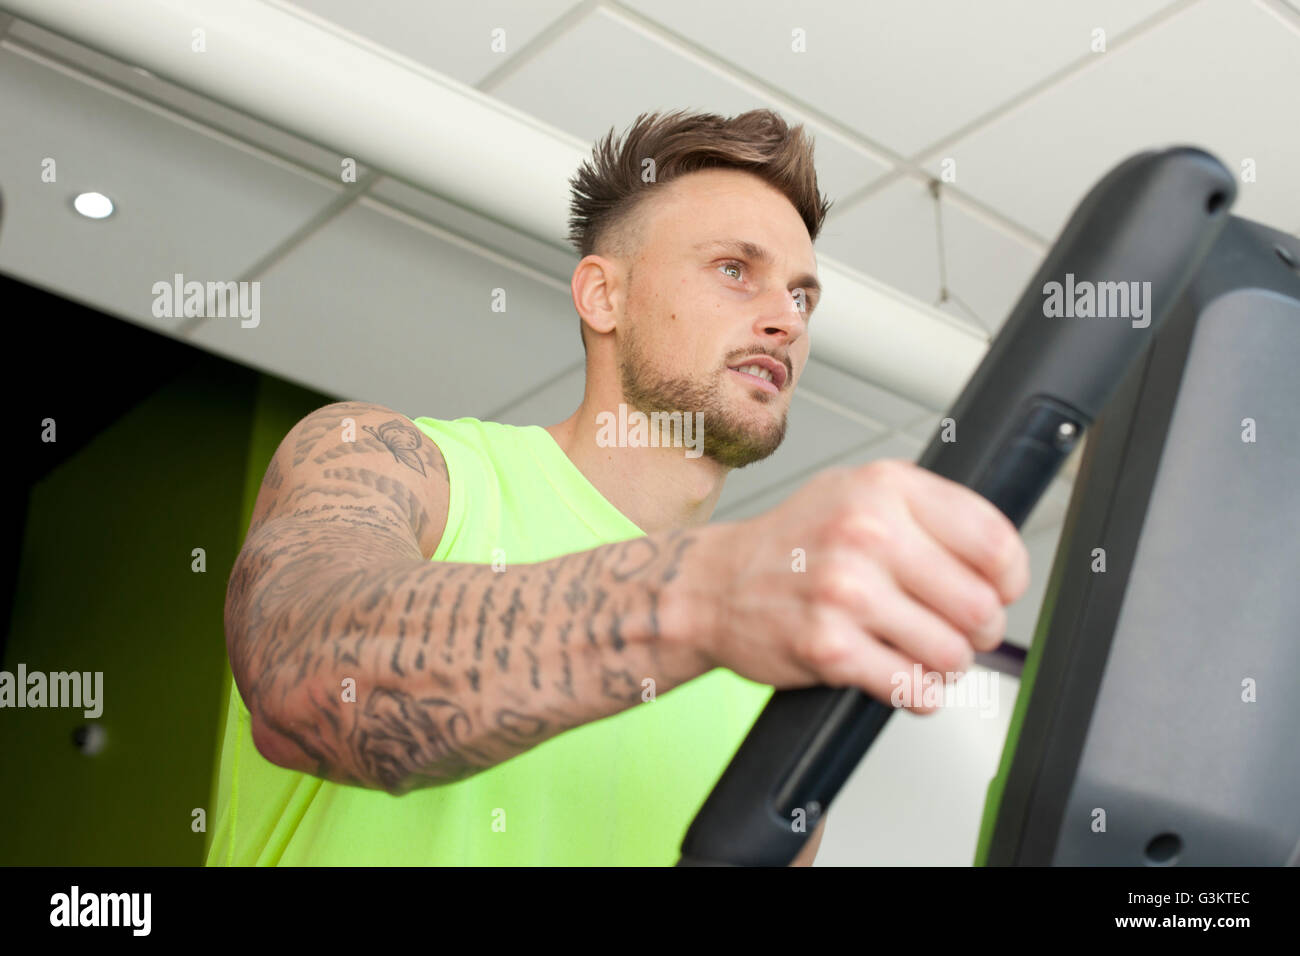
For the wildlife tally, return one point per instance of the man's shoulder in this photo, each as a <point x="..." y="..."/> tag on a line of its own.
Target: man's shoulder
<point x="476" y="431"/>
<point x="482" y="445"/>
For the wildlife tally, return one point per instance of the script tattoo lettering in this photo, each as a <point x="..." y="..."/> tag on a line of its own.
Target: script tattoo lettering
<point x="679" y="544"/>
<point x="566" y="685"/>
<point x="520" y="725"/>
<point x="634" y="557"/>
<point x="482" y="623"/>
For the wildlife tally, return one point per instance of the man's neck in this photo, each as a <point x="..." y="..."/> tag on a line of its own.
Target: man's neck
<point x="658" y="489"/>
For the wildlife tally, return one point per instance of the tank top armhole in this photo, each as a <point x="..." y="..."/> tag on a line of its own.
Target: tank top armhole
<point x="459" y="459"/>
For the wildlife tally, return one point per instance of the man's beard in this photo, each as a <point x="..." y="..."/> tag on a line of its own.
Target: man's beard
<point x="731" y="437"/>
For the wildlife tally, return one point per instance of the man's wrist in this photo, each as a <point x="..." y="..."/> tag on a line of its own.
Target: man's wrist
<point x="690" y="601"/>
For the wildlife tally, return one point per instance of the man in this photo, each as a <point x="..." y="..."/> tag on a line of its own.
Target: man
<point x="461" y="642"/>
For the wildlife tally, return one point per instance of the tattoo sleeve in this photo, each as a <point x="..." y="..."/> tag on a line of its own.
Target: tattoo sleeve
<point x="364" y="663"/>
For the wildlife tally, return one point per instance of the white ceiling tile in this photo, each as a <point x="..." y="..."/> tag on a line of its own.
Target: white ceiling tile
<point x="842" y="166"/>
<point x="856" y="394"/>
<point x="488" y="232"/>
<point x="187" y="202"/>
<point x="557" y="87"/>
<point x="926" y="427"/>
<point x="1220" y="75"/>
<point x="893" y="235"/>
<point x="962" y="312"/>
<point x="375" y="306"/>
<point x="450" y="36"/>
<point x="549" y="404"/>
<point x="125" y="76"/>
<point x="903" y="73"/>
<point x="890" y="236"/>
<point x="988" y="268"/>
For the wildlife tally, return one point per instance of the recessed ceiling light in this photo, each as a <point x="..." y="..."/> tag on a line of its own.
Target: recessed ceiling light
<point x="93" y="205"/>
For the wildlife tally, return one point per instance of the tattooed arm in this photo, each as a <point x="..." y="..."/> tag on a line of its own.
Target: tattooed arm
<point x="363" y="662"/>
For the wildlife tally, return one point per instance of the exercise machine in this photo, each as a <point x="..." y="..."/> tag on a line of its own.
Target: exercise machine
<point x="1156" y="714"/>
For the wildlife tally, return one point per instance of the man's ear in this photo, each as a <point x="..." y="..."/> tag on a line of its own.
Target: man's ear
<point x="596" y="293"/>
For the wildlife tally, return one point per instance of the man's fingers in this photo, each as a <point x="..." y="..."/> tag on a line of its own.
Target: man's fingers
<point x="973" y="529"/>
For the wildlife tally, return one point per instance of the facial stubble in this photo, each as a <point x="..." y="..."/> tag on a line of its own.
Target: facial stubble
<point x="732" y="437"/>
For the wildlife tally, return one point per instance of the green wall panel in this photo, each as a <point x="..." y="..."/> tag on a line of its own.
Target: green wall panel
<point x="105" y="584"/>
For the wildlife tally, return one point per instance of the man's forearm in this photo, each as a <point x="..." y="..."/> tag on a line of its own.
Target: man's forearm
<point x="410" y="673"/>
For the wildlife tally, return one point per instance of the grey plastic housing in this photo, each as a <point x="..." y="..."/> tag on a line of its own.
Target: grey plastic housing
<point x="1141" y="743"/>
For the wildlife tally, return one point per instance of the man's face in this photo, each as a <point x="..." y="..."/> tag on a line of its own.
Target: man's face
<point x="700" y="305"/>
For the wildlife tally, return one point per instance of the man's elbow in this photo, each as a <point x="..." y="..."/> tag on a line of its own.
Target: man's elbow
<point x="274" y="747"/>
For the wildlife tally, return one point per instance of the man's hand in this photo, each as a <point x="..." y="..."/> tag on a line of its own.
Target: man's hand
<point x="899" y="566"/>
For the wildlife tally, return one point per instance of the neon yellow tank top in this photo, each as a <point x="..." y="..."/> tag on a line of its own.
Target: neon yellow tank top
<point x="617" y="792"/>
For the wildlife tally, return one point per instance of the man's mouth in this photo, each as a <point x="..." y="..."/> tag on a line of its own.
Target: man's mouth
<point x="753" y="378"/>
<point x="762" y="371"/>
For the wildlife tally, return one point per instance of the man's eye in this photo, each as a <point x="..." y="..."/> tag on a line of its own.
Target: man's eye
<point x="732" y="265"/>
